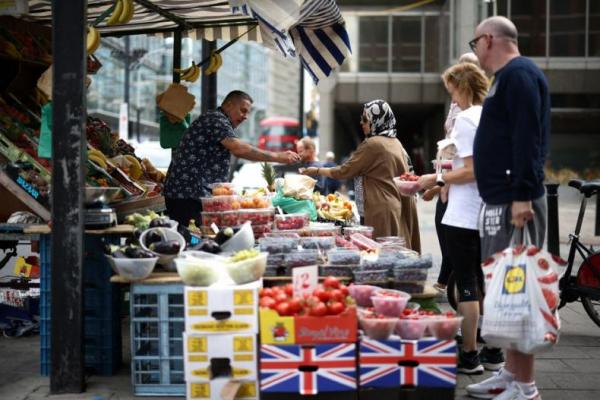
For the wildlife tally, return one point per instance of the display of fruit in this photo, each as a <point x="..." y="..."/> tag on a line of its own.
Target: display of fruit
<point x="122" y="12"/>
<point x="377" y="326"/>
<point x="221" y="219"/>
<point x="141" y="221"/>
<point x="411" y="327"/>
<point x="445" y="327"/>
<point x="329" y="298"/>
<point x="198" y="271"/>
<point x="244" y="254"/>
<point x="257" y="217"/>
<point x="389" y="302"/>
<point x="261" y="230"/>
<point x="255" y="201"/>
<point x="291" y="221"/>
<point x="378" y="276"/>
<point x="222" y="189"/>
<point x="320" y="243"/>
<point x="189" y="74"/>
<point x="364" y="230"/>
<point x="364" y="243"/>
<point x="216" y="61"/>
<point x="278" y="245"/>
<point x="343" y="257"/>
<point x="333" y="207"/>
<point x="130" y="251"/>
<point x="362" y="294"/>
<point x="220" y="203"/>
<point x="301" y="258"/>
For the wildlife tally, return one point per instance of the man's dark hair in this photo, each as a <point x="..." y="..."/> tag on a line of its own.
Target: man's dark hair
<point x="237" y="95"/>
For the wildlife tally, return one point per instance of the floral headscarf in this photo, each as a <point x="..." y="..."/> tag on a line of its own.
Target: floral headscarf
<point x="381" y="118"/>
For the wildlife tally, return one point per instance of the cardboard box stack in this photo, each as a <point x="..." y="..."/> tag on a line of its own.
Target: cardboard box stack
<point x="220" y="349"/>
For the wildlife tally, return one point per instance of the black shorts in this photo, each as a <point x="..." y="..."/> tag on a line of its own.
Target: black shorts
<point x="464" y="249"/>
<point x="182" y="210"/>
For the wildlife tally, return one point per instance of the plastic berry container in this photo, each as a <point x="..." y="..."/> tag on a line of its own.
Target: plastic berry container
<point x="444" y="327"/>
<point x="278" y="244"/>
<point x="226" y="218"/>
<point x="362" y="294"/>
<point x="415" y="287"/>
<point x="222" y="189"/>
<point x="291" y="221"/>
<point x="343" y="257"/>
<point x="370" y="276"/>
<point x="377" y="327"/>
<point x="336" y="270"/>
<point x="365" y="230"/>
<point x="220" y="203"/>
<point x="320" y="230"/>
<point x="411" y="328"/>
<point x="410" y="274"/>
<point x="390" y="302"/>
<point x="301" y="258"/>
<point x="318" y="243"/>
<point x="255" y="202"/>
<point x="257" y="217"/>
<point x="383" y="261"/>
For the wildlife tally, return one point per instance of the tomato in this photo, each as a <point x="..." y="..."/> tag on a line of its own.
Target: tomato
<point x="547" y="279"/>
<point x="323" y="295"/>
<point x="289" y="290"/>
<point x="266" y="292"/>
<point x="318" y="310"/>
<point x="344" y="289"/>
<point x="331" y="282"/>
<point x="295" y="305"/>
<point x="335" y="308"/>
<point x="312" y="301"/>
<point x="543" y="264"/>
<point x="283" y="309"/>
<point x="267" y="302"/>
<point x="281" y="297"/>
<point x="337" y="295"/>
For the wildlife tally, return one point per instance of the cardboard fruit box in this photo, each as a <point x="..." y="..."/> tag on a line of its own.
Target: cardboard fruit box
<point x="275" y="329"/>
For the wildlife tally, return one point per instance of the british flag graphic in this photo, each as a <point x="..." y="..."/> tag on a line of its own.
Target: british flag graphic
<point x="308" y="369"/>
<point x="391" y="363"/>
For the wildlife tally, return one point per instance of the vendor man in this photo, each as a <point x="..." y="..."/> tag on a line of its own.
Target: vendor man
<point x="204" y="153"/>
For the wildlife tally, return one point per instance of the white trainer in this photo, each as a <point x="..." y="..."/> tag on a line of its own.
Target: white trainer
<point x="490" y="387"/>
<point x="514" y="392"/>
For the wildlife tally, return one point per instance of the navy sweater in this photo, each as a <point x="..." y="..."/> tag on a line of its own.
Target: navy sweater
<point x="511" y="142"/>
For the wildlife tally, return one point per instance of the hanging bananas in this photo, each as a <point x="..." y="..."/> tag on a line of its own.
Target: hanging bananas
<point x="189" y="74"/>
<point x="122" y="13"/>
<point x="92" y="40"/>
<point x="215" y="63"/>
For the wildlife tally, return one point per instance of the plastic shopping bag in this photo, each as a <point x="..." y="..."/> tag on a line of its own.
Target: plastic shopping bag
<point x="300" y="187"/>
<point x="290" y="205"/>
<point x="171" y="133"/>
<point x="45" y="143"/>
<point x="521" y="301"/>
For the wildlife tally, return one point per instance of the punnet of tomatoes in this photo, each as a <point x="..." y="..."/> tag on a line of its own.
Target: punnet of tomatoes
<point x="328" y="298"/>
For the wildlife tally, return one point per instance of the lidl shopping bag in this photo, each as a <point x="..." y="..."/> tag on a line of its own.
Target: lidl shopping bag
<point x="520" y="305"/>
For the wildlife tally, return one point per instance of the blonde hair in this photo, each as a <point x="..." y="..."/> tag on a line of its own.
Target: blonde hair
<point x="308" y="143"/>
<point x="469" y="80"/>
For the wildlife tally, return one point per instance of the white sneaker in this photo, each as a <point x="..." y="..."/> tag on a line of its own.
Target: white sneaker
<point x="490" y="387"/>
<point x="514" y="392"/>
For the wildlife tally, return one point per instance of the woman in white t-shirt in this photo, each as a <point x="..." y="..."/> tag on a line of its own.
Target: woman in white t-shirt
<point x="467" y="84"/>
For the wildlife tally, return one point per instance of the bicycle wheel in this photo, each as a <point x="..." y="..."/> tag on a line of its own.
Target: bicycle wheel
<point x="592" y="307"/>
<point x="452" y="292"/>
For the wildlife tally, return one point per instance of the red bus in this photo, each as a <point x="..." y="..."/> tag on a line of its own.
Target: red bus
<point x="279" y="134"/>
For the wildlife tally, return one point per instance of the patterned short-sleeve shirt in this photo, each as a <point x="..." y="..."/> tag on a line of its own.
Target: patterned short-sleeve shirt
<point x="200" y="159"/>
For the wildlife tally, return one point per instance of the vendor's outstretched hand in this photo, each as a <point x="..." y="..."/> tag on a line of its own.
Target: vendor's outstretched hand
<point x="288" y="157"/>
<point x="310" y="171"/>
<point x="427" y="181"/>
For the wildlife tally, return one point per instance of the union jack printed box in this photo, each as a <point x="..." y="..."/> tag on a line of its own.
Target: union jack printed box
<point x="308" y="370"/>
<point x="395" y="362"/>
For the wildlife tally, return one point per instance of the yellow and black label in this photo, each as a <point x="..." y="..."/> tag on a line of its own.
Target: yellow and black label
<point x="243" y="344"/>
<point x="243" y="357"/>
<point x="197" y="298"/>
<point x="514" y="279"/>
<point x="220" y="326"/>
<point x="200" y="390"/>
<point x="243" y="297"/>
<point x="201" y="373"/>
<point x="197" y="344"/>
<point x="197" y="312"/>
<point x="244" y="311"/>
<point x="240" y="372"/>
<point x="198" y="358"/>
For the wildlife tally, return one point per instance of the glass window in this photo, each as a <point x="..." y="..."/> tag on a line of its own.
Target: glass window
<point x="530" y="19"/>
<point x="373" y="44"/>
<point x="406" y="44"/>
<point x="594" y="29"/>
<point x="567" y="28"/>
<point x="434" y="43"/>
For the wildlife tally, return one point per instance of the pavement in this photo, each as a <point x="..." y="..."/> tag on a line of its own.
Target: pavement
<point x="570" y="371"/>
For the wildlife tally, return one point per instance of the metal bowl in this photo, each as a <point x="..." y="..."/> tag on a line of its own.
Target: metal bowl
<point x="104" y="195"/>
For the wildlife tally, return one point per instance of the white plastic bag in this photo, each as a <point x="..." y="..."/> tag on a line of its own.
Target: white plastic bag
<point x="300" y="187"/>
<point x="520" y="305"/>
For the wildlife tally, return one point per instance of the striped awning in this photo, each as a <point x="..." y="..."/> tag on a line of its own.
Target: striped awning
<point x="313" y="30"/>
<point x="201" y="19"/>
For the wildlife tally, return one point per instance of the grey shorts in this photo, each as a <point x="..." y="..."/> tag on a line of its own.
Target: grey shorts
<point x="496" y="230"/>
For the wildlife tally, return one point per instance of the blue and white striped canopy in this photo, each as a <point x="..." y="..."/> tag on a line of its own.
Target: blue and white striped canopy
<point x="313" y="30"/>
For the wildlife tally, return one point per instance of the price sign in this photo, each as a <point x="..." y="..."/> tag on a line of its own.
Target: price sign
<point x="304" y="279"/>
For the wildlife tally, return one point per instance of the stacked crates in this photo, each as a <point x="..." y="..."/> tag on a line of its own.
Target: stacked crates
<point x="102" y="329"/>
<point x="157" y="325"/>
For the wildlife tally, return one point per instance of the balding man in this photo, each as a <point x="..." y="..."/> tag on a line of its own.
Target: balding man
<point x="509" y="152"/>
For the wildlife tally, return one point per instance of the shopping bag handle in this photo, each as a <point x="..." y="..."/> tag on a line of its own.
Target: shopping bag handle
<point x="521" y="236"/>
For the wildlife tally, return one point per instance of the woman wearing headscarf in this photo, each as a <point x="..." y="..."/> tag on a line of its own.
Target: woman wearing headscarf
<point x="377" y="160"/>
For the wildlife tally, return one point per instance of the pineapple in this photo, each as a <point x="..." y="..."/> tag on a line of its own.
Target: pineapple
<point x="269" y="174"/>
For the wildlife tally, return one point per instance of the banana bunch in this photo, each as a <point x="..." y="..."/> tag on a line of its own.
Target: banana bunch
<point x="189" y="74"/>
<point x="215" y="63"/>
<point x="335" y="214"/>
<point x="333" y="207"/>
<point x="97" y="157"/>
<point x="92" y="40"/>
<point x="122" y="13"/>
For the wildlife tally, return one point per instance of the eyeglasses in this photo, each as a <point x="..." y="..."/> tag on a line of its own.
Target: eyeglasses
<point x="473" y="43"/>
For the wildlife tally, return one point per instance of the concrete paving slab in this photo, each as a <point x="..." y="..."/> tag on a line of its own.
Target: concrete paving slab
<point x="576" y="380"/>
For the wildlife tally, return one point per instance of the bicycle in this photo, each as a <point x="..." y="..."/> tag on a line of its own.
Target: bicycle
<point x="586" y="285"/>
